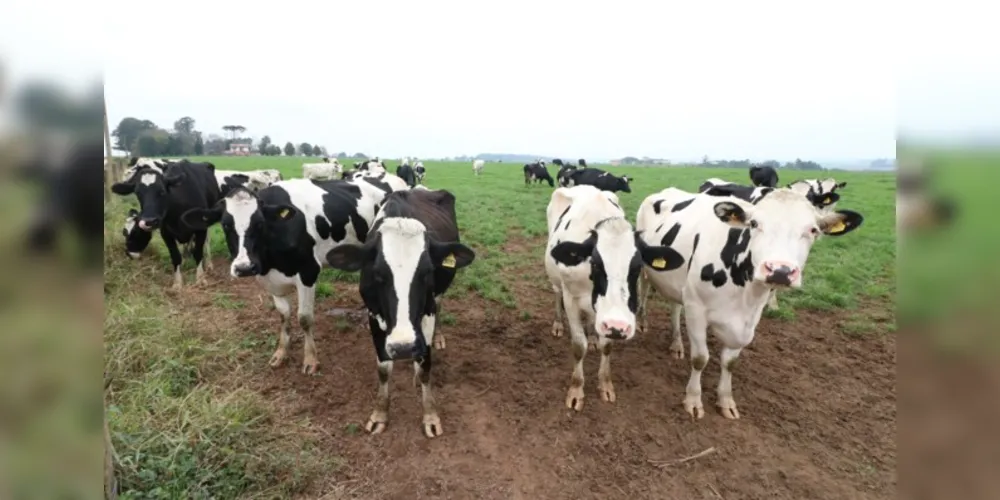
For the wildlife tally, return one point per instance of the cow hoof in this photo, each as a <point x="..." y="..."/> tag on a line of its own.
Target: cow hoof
<point x="439" y="341"/>
<point x="432" y="425"/>
<point x="557" y="329"/>
<point x="376" y="423"/>
<point x="574" y="398"/>
<point x="310" y="366"/>
<point x="692" y="404"/>
<point x="592" y="346"/>
<point x="607" y="390"/>
<point x="728" y="407"/>
<point x="278" y="358"/>
<point x="677" y="350"/>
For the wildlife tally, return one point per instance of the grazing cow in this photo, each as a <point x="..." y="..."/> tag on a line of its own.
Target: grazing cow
<point x="719" y="187"/>
<point x="163" y="198"/>
<point x="738" y="252"/>
<point x="477" y="166"/>
<point x="763" y="176"/>
<point x="281" y="236"/>
<point x="321" y="171"/>
<point x="593" y="260"/>
<point x="384" y="181"/>
<point x="419" y="171"/>
<point x="600" y="179"/>
<point x="407" y="263"/>
<point x="582" y="163"/>
<point x="537" y="172"/>
<point x="563" y="176"/>
<point x="818" y="192"/>
<point x="406" y="173"/>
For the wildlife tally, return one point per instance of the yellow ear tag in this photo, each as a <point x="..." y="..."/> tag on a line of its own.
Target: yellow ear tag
<point x="659" y="263"/>
<point x="449" y="261"/>
<point x="837" y="228"/>
<point x="284" y="213"/>
<point x="827" y="200"/>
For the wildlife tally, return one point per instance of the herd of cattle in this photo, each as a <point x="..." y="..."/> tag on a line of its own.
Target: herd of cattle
<point x="718" y="255"/>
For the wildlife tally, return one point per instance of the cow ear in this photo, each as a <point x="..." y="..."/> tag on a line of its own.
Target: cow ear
<point x="732" y="214"/>
<point x="278" y="213"/>
<point x="660" y="258"/>
<point x="841" y="184"/>
<point x="451" y="255"/>
<point x="348" y="258"/>
<point x="123" y="188"/>
<point x="173" y="179"/>
<point x="840" y="222"/>
<point x="199" y="219"/>
<point x="571" y="253"/>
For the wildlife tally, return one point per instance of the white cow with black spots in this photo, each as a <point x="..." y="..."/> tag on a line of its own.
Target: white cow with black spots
<point x="737" y="253"/>
<point x="593" y="260"/>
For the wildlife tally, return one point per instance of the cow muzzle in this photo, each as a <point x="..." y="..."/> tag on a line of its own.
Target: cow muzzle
<point x="149" y="224"/>
<point x="617" y="329"/>
<point x="781" y="273"/>
<point x="244" y="270"/>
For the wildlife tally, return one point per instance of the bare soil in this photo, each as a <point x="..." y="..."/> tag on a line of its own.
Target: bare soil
<point x="818" y="408"/>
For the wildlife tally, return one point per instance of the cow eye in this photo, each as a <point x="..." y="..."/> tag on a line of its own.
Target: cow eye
<point x="814" y="230"/>
<point x="754" y="224"/>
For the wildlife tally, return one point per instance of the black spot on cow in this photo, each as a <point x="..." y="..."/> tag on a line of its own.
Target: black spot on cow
<point x="377" y="182"/>
<point x="681" y="206"/>
<point x="658" y="228"/>
<point x="322" y="227"/>
<point x="657" y="206"/>
<point x="668" y="239"/>
<point x="737" y="242"/>
<point x="718" y="278"/>
<point x="563" y="214"/>
<point x="693" y="250"/>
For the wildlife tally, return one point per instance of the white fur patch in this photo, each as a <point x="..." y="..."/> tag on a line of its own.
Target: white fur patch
<point x="148" y="179"/>
<point x="403" y="240"/>
<point x="241" y="207"/>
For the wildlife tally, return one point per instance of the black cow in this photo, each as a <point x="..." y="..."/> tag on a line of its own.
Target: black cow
<point x="582" y="163"/>
<point x="763" y="176"/>
<point x="538" y="173"/>
<point x="408" y="261"/>
<point x="420" y="172"/>
<point x="563" y="175"/>
<point x="559" y="162"/>
<point x="163" y="198"/>
<point x="600" y="179"/>
<point x="406" y="173"/>
<point x="269" y="238"/>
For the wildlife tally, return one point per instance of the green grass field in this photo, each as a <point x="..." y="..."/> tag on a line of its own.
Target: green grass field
<point x="184" y="426"/>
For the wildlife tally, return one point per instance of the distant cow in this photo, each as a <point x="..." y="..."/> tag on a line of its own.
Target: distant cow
<point x="407" y="263"/>
<point x="281" y="236"/>
<point x="384" y="181"/>
<point x="419" y="171"/>
<point x="822" y="193"/>
<point x="406" y="173"/>
<point x="581" y="163"/>
<point x="163" y="198"/>
<point x="537" y="172"/>
<point x="374" y="166"/>
<point x="763" y="176"/>
<point x="593" y="260"/>
<point x="600" y="179"/>
<point x="321" y="171"/>
<point x="477" y="166"/>
<point x="732" y="268"/>
<point x="719" y="187"/>
<point x="563" y="176"/>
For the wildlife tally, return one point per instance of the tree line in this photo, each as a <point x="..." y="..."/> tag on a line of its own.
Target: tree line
<point x="141" y="137"/>
<point x="798" y="164"/>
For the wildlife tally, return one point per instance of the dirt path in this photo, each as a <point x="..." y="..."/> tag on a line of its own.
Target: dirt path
<point x="818" y="411"/>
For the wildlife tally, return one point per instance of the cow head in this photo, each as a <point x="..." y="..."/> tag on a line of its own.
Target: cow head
<point x="151" y="187"/>
<point x="136" y="240"/>
<point x="624" y="184"/>
<point x="777" y="234"/>
<point x="251" y="228"/>
<point x="402" y="269"/>
<point x="616" y="255"/>
<point x="816" y="192"/>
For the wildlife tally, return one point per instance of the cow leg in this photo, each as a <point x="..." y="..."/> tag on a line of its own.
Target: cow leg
<point x="380" y="415"/>
<point x="772" y="299"/>
<point x="436" y="338"/>
<point x="307" y="304"/>
<point x="285" y="309"/>
<point x="604" y="385"/>
<point x="197" y="251"/>
<point x="731" y="350"/>
<point x="697" y="327"/>
<point x="644" y="286"/>
<point x="557" y="325"/>
<point x="578" y="337"/>
<point x="208" y="249"/>
<point x="175" y="258"/>
<point x="422" y="372"/>
<point x="677" y="345"/>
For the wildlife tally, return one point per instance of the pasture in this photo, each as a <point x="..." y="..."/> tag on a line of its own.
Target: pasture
<point x="195" y="410"/>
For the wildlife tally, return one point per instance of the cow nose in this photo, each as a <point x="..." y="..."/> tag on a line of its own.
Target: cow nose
<point x="244" y="270"/>
<point x="616" y="329"/>
<point x="149" y="223"/>
<point x="780" y="273"/>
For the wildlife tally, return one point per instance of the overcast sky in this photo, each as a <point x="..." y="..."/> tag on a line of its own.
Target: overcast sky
<point x="733" y="79"/>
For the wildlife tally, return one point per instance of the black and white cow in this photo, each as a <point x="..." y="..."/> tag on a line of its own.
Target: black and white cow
<point x="163" y="198"/>
<point x="737" y="254"/>
<point x="135" y="163"/>
<point x="408" y="261"/>
<point x="281" y="236"/>
<point x="600" y="179"/>
<point x="719" y="187"/>
<point x="563" y="176"/>
<point x="328" y="170"/>
<point x="593" y="260"/>
<point x="821" y="192"/>
<point x="763" y="176"/>
<point x="559" y="162"/>
<point x="406" y="173"/>
<point x="538" y="173"/>
<point x="419" y="171"/>
<point x="384" y="181"/>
